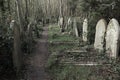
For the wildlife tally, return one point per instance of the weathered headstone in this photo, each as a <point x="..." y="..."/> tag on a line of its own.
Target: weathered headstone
<point x="61" y="24"/>
<point x="75" y="28"/>
<point x="85" y="30"/>
<point x="11" y="24"/>
<point x="29" y="36"/>
<point x="17" y="59"/>
<point x="69" y="21"/>
<point x="112" y="38"/>
<point x="69" y="24"/>
<point x="100" y="34"/>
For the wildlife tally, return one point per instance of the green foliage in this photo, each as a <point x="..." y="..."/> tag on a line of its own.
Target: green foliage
<point x="105" y="71"/>
<point x="106" y="8"/>
<point x="28" y="41"/>
<point x="65" y="72"/>
<point x="37" y="31"/>
<point x="56" y="35"/>
<point x="108" y="69"/>
<point x="73" y="6"/>
<point x="6" y="40"/>
<point x="53" y="60"/>
<point x="6" y="50"/>
<point x="92" y="21"/>
<point x="70" y="72"/>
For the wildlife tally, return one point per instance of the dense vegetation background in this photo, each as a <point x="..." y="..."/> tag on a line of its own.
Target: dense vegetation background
<point x="40" y="12"/>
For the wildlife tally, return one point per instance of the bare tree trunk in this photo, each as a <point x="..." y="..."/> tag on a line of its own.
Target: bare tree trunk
<point x="2" y="6"/>
<point x="61" y="8"/>
<point x="26" y="13"/>
<point x="19" y="14"/>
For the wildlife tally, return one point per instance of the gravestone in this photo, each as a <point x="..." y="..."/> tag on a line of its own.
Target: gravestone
<point x="17" y="59"/>
<point x="75" y="28"/>
<point x="12" y="24"/>
<point x="69" y="24"/>
<point x="29" y="30"/>
<point x="85" y="30"/>
<point x="100" y="35"/>
<point x="112" y="38"/>
<point x="61" y="24"/>
<point x="29" y="36"/>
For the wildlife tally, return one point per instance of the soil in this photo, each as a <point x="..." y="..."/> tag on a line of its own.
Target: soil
<point x="38" y="59"/>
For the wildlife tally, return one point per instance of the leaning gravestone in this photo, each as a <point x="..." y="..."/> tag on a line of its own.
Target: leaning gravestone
<point x="112" y="38"/>
<point x="17" y="59"/>
<point x="75" y="28"/>
<point x="100" y="34"/>
<point x="85" y="30"/>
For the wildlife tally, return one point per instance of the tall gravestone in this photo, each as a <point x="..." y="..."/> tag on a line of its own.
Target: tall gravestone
<point x="17" y="59"/>
<point x="85" y="30"/>
<point x="100" y="35"/>
<point x="61" y="24"/>
<point x="75" y="28"/>
<point x="112" y="38"/>
<point x="29" y="36"/>
<point x="69" y="24"/>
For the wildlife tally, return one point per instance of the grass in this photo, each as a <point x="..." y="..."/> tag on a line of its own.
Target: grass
<point x="70" y="72"/>
<point x="61" y="47"/>
<point x="60" y="71"/>
<point x="56" y="35"/>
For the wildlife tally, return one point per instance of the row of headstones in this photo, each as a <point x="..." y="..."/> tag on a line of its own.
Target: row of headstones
<point x="74" y="24"/>
<point x="69" y="25"/>
<point x="107" y="35"/>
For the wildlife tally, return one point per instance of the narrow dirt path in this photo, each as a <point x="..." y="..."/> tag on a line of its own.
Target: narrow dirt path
<point x="38" y="59"/>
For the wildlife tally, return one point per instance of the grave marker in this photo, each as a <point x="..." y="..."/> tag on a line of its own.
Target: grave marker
<point x="100" y="34"/>
<point x="17" y="59"/>
<point x="85" y="30"/>
<point x="112" y="38"/>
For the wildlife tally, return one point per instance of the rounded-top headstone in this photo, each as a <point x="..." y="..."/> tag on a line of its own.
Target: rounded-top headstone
<point x="85" y="30"/>
<point x="112" y="38"/>
<point x="100" y="35"/>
